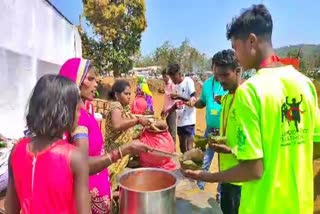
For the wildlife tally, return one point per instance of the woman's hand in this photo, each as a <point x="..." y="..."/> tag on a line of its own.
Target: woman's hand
<point x="136" y="147"/>
<point x="144" y="121"/>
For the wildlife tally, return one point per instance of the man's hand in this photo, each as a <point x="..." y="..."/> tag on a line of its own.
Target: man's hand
<point x="220" y="148"/>
<point x="163" y="114"/>
<point x="197" y="175"/>
<point x="174" y="96"/>
<point x="191" y="102"/>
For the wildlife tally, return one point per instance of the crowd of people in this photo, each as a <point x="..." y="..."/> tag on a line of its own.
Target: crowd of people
<point x="270" y="124"/>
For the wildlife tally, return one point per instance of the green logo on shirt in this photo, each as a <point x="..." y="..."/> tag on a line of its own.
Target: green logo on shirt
<point x="241" y="138"/>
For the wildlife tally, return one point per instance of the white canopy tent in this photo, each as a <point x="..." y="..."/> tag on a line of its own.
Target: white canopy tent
<point x="35" y="40"/>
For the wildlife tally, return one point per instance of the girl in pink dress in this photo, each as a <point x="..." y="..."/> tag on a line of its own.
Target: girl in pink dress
<point x="88" y="137"/>
<point x="47" y="174"/>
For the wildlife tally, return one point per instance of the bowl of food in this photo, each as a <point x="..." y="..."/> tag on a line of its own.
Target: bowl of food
<point x="190" y="165"/>
<point x="192" y="159"/>
<point x="217" y="139"/>
<point x="200" y="142"/>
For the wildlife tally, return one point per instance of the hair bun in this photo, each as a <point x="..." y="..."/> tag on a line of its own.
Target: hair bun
<point x="111" y="95"/>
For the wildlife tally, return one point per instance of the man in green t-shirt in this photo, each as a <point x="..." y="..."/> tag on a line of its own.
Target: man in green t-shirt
<point x="228" y="73"/>
<point x="276" y="119"/>
<point x="210" y="98"/>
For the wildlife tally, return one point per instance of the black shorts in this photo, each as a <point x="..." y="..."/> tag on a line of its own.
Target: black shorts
<point x="186" y="130"/>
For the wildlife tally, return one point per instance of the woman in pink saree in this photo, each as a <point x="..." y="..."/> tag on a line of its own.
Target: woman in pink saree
<point x="88" y="137"/>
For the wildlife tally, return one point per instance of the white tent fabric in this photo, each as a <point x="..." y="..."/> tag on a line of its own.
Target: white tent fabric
<point x="35" y="40"/>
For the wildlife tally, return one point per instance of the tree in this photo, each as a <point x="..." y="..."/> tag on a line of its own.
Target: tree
<point x="117" y="25"/>
<point x="189" y="58"/>
<point x="164" y="54"/>
<point x="96" y="51"/>
<point x="142" y="61"/>
<point x="317" y="61"/>
<point x="297" y="53"/>
<point x="294" y="53"/>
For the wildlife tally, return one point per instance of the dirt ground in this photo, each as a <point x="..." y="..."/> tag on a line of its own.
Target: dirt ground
<point x="155" y="85"/>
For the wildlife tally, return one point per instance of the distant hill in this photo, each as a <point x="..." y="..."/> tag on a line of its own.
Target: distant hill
<point x="307" y="50"/>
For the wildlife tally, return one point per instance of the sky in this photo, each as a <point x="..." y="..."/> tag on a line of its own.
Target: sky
<point x="204" y="22"/>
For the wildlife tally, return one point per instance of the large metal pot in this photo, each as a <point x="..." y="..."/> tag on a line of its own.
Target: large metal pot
<point x="147" y="191"/>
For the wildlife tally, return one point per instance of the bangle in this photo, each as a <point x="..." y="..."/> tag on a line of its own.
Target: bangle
<point x="109" y="157"/>
<point x="120" y="152"/>
<point x="80" y="136"/>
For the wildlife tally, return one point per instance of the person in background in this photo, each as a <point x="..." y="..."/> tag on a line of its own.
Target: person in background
<point x="139" y="106"/>
<point x="185" y="93"/>
<point x="210" y="99"/>
<point x="171" y="118"/>
<point x="89" y="139"/>
<point x="143" y="90"/>
<point x="248" y="74"/>
<point x="228" y="73"/>
<point x="275" y="159"/>
<point x="46" y="173"/>
<point x="120" y="125"/>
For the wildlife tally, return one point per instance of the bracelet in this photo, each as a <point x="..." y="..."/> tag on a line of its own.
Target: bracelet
<point x="109" y="157"/>
<point x="120" y="152"/>
<point x="80" y="136"/>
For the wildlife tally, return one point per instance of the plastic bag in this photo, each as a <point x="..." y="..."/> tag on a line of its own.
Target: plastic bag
<point x="161" y="141"/>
